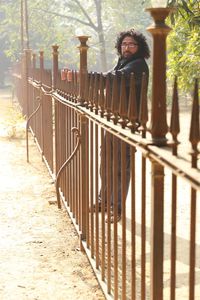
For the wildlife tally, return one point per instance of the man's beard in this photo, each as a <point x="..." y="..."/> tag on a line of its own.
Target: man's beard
<point x="127" y="54"/>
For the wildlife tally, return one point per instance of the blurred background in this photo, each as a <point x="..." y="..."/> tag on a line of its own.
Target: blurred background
<point x="40" y="24"/>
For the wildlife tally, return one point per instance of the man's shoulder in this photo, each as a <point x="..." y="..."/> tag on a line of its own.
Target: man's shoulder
<point x="138" y="60"/>
<point x="138" y="63"/>
<point x="130" y="63"/>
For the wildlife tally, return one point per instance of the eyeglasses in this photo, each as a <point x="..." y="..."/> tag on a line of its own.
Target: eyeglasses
<point x="131" y="45"/>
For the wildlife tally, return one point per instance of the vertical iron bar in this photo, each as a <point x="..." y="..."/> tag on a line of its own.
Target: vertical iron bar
<point x="143" y="230"/>
<point x="143" y="110"/>
<point x="174" y="125"/>
<point x="80" y="182"/>
<point x="84" y="176"/>
<point x="67" y="153"/>
<point x="70" y="151"/>
<point x="73" y="166"/>
<point x="96" y="190"/>
<point x="115" y="199"/>
<point x="132" y="108"/>
<point x="72" y="163"/>
<point x="123" y="109"/>
<point x="77" y="176"/>
<point x="108" y="205"/>
<point x="192" y="245"/>
<point x="173" y="238"/>
<point x="104" y="144"/>
<point x="91" y="185"/>
<point x="123" y="204"/>
<point x="43" y="111"/>
<point x="194" y="126"/>
<point x="133" y="227"/>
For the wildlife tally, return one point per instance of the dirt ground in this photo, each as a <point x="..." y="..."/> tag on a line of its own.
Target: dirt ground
<point x="39" y="248"/>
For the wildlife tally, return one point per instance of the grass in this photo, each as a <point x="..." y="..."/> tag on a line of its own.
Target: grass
<point x="12" y="123"/>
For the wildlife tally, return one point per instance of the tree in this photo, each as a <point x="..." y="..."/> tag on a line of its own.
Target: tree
<point x="184" y="43"/>
<point x="87" y="14"/>
<point x="95" y="21"/>
<point x="41" y="28"/>
<point x="57" y="21"/>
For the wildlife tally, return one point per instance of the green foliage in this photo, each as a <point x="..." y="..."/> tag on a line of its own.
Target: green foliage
<point x="184" y="44"/>
<point x="9" y="28"/>
<point x="187" y="10"/>
<point x="13" y="125"/>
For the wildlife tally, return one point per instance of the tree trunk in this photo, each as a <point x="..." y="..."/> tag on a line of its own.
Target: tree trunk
<point x="100" y="32"/>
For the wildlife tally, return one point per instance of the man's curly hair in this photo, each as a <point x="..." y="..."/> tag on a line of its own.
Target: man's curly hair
<point x="143" y="48"/>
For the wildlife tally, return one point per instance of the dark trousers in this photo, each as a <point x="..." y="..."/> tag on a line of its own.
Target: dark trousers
<point x="115" y="162"/>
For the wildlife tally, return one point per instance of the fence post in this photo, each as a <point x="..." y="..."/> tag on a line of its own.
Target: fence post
<point x="159" y="31"/>
<point x="41" y="64"/>
<point x="55" y="66"/>
<point x="84" y="203"/>
<point x="33" y="64"/>
<point x="54" y="79"/>
<point x="157" y="214"/>
<point x="83" y="48"/>
<point x="26" y="84"/>
<point x="159" y="129"/>
<point x="41" y="57"/>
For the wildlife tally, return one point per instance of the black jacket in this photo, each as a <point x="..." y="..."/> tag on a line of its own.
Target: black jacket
<point x="136" y="65"/>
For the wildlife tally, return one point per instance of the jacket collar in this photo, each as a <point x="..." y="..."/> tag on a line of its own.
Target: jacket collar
<point x="122" y="61"/>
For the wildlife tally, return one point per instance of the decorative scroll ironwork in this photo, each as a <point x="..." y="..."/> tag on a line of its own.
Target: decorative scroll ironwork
<point x="38" y="98"/>
<point x="74" y="130"/>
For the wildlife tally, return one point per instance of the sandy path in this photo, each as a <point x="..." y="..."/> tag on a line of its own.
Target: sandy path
<point x="39" y="248"/>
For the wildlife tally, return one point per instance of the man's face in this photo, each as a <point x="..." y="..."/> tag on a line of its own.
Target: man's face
<point x="128" y="47"/>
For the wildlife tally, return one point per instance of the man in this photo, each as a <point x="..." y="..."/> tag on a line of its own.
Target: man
<point x="132" y="50"/>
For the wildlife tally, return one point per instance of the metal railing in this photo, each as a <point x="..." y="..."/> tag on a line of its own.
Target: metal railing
<point x="84" y="132"/>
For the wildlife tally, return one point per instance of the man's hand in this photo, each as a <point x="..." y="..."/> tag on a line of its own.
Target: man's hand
<point x="66" y="74"/>
<point x="69" y="75"/>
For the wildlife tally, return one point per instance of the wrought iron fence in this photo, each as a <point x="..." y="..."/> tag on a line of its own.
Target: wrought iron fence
<point x="87" y="136"/>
